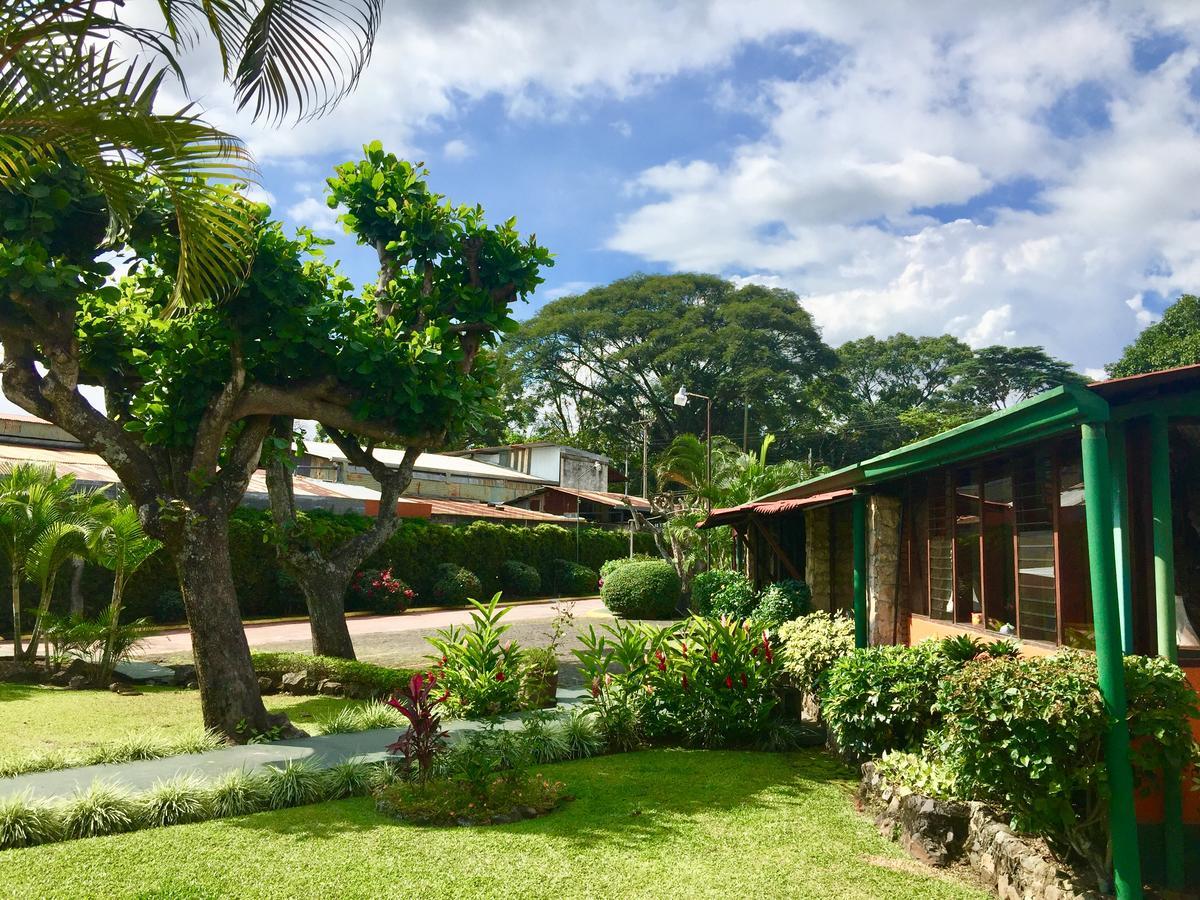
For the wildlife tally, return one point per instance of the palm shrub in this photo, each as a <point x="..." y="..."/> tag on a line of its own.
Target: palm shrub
<point x="642" y="590"/>
<point x="882" y="698"/>
<point x="519" y="579"/>
<point x="811" y="645"/>
<point x="1028" y="735"/>
<point x="119" y="544"/>
<point x="479" y="673"/>
<point x="454" y="585"/>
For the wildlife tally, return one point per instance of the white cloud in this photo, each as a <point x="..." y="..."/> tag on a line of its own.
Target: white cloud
<point x="456" y="149"/>
<point x="260" y="194"/>
<point x="622" y="127"/>
<point x="566" y="289"/>
<point x="316" y="215"/>
<point x="1144" y="316"/>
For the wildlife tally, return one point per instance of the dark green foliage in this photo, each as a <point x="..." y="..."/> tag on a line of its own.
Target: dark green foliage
<point x="1028" y="735"/>
<point x="619" y="561"/>
<point x="454" y="585"/>
<point x="882" y="698"/>
<point x="565" y="578"/>
<point x="735" y="598"/>
<point x="381" y="680"/>
<point x="1173" y="341"/>
<point x="168" y="609"/>
<point x="519" y="579"/>
<point x="781" y="602"/>
<point x="642" y="590"/>
<point x="708" y="584"/>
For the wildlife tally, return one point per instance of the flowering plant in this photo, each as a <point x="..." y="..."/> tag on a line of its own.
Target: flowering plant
<point x="479" y="672"/>
<point x="380" y="591"/>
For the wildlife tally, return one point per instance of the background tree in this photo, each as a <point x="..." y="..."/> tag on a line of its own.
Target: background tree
<point x="997" y="376"/>
<point x="596" y="364"/>
<point x="1172" y="341"/>
<point x="442" y="271"/>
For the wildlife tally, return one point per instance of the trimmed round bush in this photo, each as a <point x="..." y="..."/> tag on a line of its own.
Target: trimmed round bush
<point x="781" y="602"/>
<point x="454" y="585"/>
<point x="569" y="579"/>
<point x="518" y="579"/>
<point x="642" y="590"/>
<point x="613" y="564"/>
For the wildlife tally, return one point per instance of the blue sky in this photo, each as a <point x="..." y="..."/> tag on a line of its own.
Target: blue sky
<point x="1030" y="175"/>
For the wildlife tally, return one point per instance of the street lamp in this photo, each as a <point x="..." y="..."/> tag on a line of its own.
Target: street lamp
<point x="682" y="396"/>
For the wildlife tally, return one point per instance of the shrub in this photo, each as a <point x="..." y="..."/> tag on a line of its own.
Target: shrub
<point x="379" y="680"/>
<point x="295" y="784"/>
<point x="480" y="676"/>
<point x="781" y="602"/>
<point x="424" y="741"/>
<point x="352" y="719"/>
<point x="238" y="794"/>
<point x="518" y="579"/>
<point x="174" y="802"/>
<point x="25" y="822"/>
<point x="708" y="584"/>
<point x="1028" y="734"/>
<point x="613" y="564"/>
<point x="882" y="698"/>
<point x="379" y="591"/>
<point x="169" y="609"/>
<point x="581" y="734"/>
<point x="545" y="738"/>
<point x="918" y="774"/>
<point x="613" y="664"/>
<point x="735" y="598"/>
<point x="101" y="809"/>
<point x="642" y="590"/>
<point x="539" y="678"/>
<point x="566" y="578"/>
<point x="349" y="779"/>
<point x="811" y="645"/>
<point x="455" y="586"/>
<point x="711" y="683"/>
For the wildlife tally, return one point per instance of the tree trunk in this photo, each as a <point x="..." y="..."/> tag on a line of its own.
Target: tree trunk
<point x="229" y="695"/>
<point x="324" y="587"/>
<point x="15" y="576"/>
<point x="77" y="566"/>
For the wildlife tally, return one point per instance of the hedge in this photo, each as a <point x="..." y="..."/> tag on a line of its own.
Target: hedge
<point x="413" y="553"/>
<point x="642" y="590"/>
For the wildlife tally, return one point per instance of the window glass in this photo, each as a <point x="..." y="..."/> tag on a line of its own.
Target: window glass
<point x="1034" y="498"/>
<point x="968" y="589"/>
<point x="1185" y="510"/>
<point x="916" y="570"/>
<point x="841" y="575"/>
<point x="1075" y="586"/>
<point x="999" y="528"/>
<point x="941" y="563"/>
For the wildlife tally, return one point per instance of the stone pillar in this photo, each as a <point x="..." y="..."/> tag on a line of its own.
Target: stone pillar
<point x="816" y="557"/>
<point x="883" y="555"/>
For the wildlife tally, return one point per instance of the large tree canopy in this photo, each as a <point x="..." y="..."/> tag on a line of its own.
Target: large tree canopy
<point x="594" y="365"/>
<point x="1173" y="341"/>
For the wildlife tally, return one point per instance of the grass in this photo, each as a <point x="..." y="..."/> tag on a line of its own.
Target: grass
<point x="40" y="719"/>
<point x="651" y="824"/>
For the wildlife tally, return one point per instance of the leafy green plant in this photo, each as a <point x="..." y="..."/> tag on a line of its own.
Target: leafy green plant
<point x="380" y="680"/>
<point x="141" y="745"/>
<point x="478" y="672"/>
<point x="642" y="590"/>
<point x="882" y="698"/>
<point x="734" y="598"/>
<point x="293" y="784"/>
<point x="539" y="678"/>
<point x="581" y="734"/>
<point x="610" y="566"/>
<point x="811" y="645"/>
<point x="961" y="648"/>
<point x="918" y="774"/>
<point x="519" y="579"/>
<point x="238" y="794"/>
<point x="567" y="578"/>
<point x="1028" y="734"/>
<point x="455" y="585"/>
<point x="25" y="822"/>
<point x="781" y="602"/>
<point x="612" y="663"/>
<point x="174" y="802"/>
<point x="544" y="736"/>
<point x="349" y="779"/>
<point x="711" y="683"/>
<point x="101" y="809"/>
<point x="706" y="585"/>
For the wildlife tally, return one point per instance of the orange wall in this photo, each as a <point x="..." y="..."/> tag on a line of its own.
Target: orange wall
<point x="920" y="629"/>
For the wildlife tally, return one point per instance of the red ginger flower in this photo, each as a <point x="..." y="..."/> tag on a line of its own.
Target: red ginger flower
<point x="743" y="679"/>
<point x="714" y="656"/>
<point x="685" y="682"/>
<point x="729" y="682"/>
<point x="499" y="676"/>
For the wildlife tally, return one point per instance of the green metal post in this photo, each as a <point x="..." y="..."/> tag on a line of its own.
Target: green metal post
<point x="1097" y="485"/>
<point x="1120" y="502"/>
<point x="860" y="569"/>
<point x="1164" y="610"/>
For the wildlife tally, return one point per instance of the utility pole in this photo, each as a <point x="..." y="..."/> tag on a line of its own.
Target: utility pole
<point x="745" y="425"/>
<point x="645" y="423"/>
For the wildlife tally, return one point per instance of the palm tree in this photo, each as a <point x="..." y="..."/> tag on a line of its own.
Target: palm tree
<point x="119" y="544"/>
<point x="68" y="97"/>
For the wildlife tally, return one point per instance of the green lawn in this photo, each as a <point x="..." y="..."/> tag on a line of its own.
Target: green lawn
<point x="662" y="823"/>
<point x="36" y="717"/>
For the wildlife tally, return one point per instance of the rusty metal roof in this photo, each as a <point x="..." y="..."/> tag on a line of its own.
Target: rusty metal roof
<point x="731" y="514"/>
<point x="604" y="498"/>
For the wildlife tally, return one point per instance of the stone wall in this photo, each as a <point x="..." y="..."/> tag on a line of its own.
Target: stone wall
<point x="816" y="556"/>
<point x="888" y="625"/>
<point x="943" y="832"/>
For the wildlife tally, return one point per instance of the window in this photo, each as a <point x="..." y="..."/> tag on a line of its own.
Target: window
<point x="941" y="562"/>
<point x="1034" y="488"/>
<point x="1074" y="577"/>
<point x="916" y="567"/>
<point x="999" y="552"/>
<point x="968" y="586"/>
<point x="841" y="556"/>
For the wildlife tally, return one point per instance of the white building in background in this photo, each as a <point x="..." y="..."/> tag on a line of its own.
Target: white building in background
<point x="550" y="464"/>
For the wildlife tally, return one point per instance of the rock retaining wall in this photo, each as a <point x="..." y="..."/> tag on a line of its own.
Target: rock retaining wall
<point x="941" y="832"/>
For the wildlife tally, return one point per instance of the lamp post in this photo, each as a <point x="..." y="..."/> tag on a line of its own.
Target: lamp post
<point x="681" y="399"/>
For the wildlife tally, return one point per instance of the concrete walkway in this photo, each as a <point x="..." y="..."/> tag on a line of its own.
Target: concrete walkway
<point x="322" y="751"/>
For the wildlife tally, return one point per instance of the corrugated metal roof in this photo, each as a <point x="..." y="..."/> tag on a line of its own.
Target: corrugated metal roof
<point x="1120" y="389"/>
<point x="730" y="514"/>
<point x="429" y="462"/>
<point x="604" y="498"/>
<point x="466" y="509"/>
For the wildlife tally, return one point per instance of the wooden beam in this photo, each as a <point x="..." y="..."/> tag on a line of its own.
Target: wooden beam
<point x="774" y="545"/>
